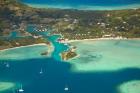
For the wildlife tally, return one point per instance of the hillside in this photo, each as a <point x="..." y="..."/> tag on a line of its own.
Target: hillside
<point x="15" y="16"/>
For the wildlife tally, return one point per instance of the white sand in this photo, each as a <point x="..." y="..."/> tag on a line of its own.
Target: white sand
<point x="6" y="86"/>
<point x="24" y="52"/>
<point x="117" y="38"/>
<point x="23" y="46"/>
<point x="50" y="49"/>
<point x="130" y="87"/>
<point x="106" y="55"/>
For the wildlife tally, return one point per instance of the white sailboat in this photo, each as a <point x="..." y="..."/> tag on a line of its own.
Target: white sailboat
<point x="41" y="71"/>
<point x="66" y="88"/>
<point x="21" y="89"/>
<point x="7" y="65"/>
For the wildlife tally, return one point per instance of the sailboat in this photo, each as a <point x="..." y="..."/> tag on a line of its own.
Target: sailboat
<point x="21" y="89"/>
<point x="7" y="65"/>
<point x="41" y="72"/>
<point x="66" y="88"/>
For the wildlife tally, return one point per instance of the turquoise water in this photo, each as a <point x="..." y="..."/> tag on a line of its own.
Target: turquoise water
<point x="102" y="67"/>
<point x="21" y="53"/>
<point x="85" y="4"/>
<point x="130" y="87"/>
<point x="105" y="66"/>
<point x="58" y="47"/>
<point x="106" y="55"/>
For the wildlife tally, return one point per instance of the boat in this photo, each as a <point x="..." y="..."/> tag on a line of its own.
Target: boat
<point x="66" y="88"/>
<point x="21" y="89"/>
<point x="41" y="72"/>
<point x="7" y="65"/>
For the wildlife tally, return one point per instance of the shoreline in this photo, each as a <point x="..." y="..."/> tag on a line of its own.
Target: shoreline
<point x="85" y="7"/>
<point x="22" y="46"/>
<point x="50" y="49"/>
<point x="78" y="55"/>
<point x="95" y="39"/>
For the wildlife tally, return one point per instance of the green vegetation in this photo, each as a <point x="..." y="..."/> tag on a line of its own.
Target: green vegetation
<point x="93" y="24"/>
<point x="20" y="42"/>
<point x="72" y="24"/>
<point x="68" y="55"/>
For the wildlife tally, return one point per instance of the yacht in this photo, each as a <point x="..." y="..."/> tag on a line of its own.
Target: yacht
<point x="7" y="65"/>
<point x="21" y="89"/>
<point x="66" y="88"/>
<point x="41" y="72"/>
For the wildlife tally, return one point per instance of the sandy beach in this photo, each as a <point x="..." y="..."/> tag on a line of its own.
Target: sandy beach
<point x="117" y="38"/>
<point x="23" y="46"/>
<point x="112" y="38"/>
<point x="50" y="49"/>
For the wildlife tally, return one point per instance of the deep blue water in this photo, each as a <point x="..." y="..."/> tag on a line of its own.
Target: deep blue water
<point x="56" y="75"/>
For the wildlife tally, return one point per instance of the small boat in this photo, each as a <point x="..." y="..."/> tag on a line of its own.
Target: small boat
<point x="41" y="72"/>
<point x="7" y="65"/>
<point x="21" y="89"/>
<point x="66" y="88"/>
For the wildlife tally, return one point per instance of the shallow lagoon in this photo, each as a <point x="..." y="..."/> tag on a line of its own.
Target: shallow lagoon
<point x="130" y="87"/>
<point x="6" y="85"/>
<point x="86" y="74"/>
<point x="106" y="55"/>
<point x="25" y="52"/>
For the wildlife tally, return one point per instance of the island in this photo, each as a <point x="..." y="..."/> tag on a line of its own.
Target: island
<point x="71" y="53"/>
<point x="38" y="49"/>
<point x="71" y="24"/>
